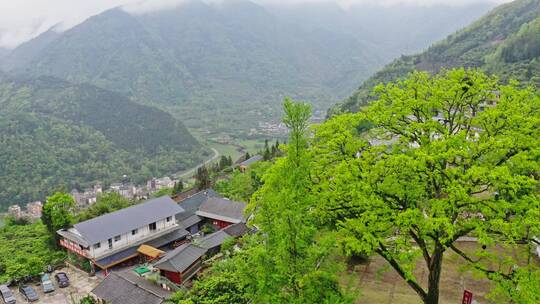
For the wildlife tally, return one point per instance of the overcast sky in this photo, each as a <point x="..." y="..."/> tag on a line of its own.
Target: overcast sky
<point x="21" y="20"/>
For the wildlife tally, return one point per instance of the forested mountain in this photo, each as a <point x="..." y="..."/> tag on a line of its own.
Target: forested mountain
<point x="207" y="63"/>
<point x="505" y="42"/>
<point x="56" y="134"/>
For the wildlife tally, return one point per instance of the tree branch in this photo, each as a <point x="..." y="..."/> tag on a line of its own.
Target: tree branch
<point x="383" y="252"/>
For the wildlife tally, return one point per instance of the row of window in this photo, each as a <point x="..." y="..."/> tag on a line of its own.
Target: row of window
<point x="152" y="227"/>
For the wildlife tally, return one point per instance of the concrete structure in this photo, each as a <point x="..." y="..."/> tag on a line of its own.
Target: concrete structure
<point x="113" y="238"/>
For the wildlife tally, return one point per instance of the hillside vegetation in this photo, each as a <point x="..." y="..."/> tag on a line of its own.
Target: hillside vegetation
<point x="505" y="42"/>
<point x="206" y="63"/>
<point x="54" y="134"/>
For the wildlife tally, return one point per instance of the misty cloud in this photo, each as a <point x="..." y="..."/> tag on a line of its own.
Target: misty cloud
<point x="22" y="20"/>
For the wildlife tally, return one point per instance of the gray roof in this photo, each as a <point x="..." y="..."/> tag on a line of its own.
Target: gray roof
<point x="180" y="258"/>
<point x="116" y="289"/>
<point x="213" y="240"/>
<point x="168" y="238"/>
<point x="222" y="209"/>
<point x="68" y="234"/>
<point x="192" y="203"/>
<point x="122" y="221"/>
<point x="190" y="221"/>
<point x="251" y="160"/>
<point x="237" y="230"/>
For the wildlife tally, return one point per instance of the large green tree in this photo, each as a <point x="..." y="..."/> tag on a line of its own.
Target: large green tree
<point x="286" y="264"/>
<point x="58" y="212"/>
<point x="432" y="160"/>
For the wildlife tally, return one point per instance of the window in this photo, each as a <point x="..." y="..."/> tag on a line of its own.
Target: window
<point x="110" y="243"/>
<point x="152" y="226"/>
<point x="97" y="245"/>
<point x="169" y="219"/>
<point x="134" y="231"/>
<point x="117" y="238"/>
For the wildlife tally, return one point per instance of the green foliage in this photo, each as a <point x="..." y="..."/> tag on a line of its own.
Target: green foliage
<point x="178" y="187"/>
<point x="163" y="192"/>
<point x="54" y="134"/>
<point x="504" y="42"/>
<point x="220" y="284"/>
<point x="444" y="158"/>
<point x="240" y="186"/>
<point x="286" y="259"/>
<point x="106" y="203"/>
<point x="202" y="178"/>
<point x="26" y="250"/>
<point x="58" y="212"/>
<point x="87" y="300"/>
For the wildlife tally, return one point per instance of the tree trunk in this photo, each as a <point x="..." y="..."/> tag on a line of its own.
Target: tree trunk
<point x="435" y="266"/>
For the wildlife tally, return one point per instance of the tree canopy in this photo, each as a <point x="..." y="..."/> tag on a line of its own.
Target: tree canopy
<point x="444" y="157"/>
<point x="58" y="212"/>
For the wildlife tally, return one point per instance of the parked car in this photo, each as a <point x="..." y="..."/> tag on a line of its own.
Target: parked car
<point x="7" y="295"/>
<point x="28" y="293"/>
<point x="46" y="283"/>
<point x="62" y="279"/>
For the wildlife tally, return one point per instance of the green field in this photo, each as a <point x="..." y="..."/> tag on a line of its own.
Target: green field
<point x="227" y="150"/>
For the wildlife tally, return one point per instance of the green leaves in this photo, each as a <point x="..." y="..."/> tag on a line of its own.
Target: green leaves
<point x="25" y="250"/>
<point x="445" y="156"/>
<point x="58" y="212"/>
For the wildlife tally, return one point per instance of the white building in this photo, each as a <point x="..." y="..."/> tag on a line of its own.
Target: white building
<point x="113" y="238"/>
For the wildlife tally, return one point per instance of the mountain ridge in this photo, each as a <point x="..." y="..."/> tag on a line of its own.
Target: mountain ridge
<point x="477" y="46"/>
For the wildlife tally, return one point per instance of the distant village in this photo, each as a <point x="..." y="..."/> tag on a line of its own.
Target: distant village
<point x="87" y="197"/>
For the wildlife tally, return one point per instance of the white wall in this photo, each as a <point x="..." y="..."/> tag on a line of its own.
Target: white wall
<point x="128" y="240"/>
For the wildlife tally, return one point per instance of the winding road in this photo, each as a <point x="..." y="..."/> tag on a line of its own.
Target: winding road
<point x="191" y="171"/>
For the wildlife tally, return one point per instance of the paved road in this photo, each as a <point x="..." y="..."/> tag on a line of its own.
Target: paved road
<point x="191" y="171"/>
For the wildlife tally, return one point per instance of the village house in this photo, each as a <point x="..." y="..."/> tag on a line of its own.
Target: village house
<point x="127" y="190"/>
<point x="15" y="211"/>
<point x="243" y="166"/>
<point x="88" y="196"/>
<point x="182" y="263"/>
<point x="34" y="209"/>
<point x="127" y="287"/>
<point x="156" y="184"/>
<point x="114" y="238"/>
<point x="148" y="230"/>
<point x="222" y="212"/>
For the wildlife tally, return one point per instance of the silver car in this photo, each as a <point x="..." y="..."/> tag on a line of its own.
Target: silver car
<point x="7" y="295"/>
<point x="46" y="283"/>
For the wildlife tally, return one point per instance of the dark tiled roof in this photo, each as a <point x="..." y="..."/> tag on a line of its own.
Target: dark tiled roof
<point x="190" y="221"/>
<point x="115" y="289"/>
<point x="180" y="258"/>
<point x="214" y="240"/>
<point x="251" y="160"/>
<point x="192" y="203"/>
<point x="168" y="238"/>
<point x="127" y="219"/>
<point x="144" y="283"/>
<point x="118" y="257"/>
<point x="222" y="209"/>
<point x="237" y="230"/>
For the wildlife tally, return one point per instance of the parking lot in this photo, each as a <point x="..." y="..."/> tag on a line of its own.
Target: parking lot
<point x="80" y="285"/>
